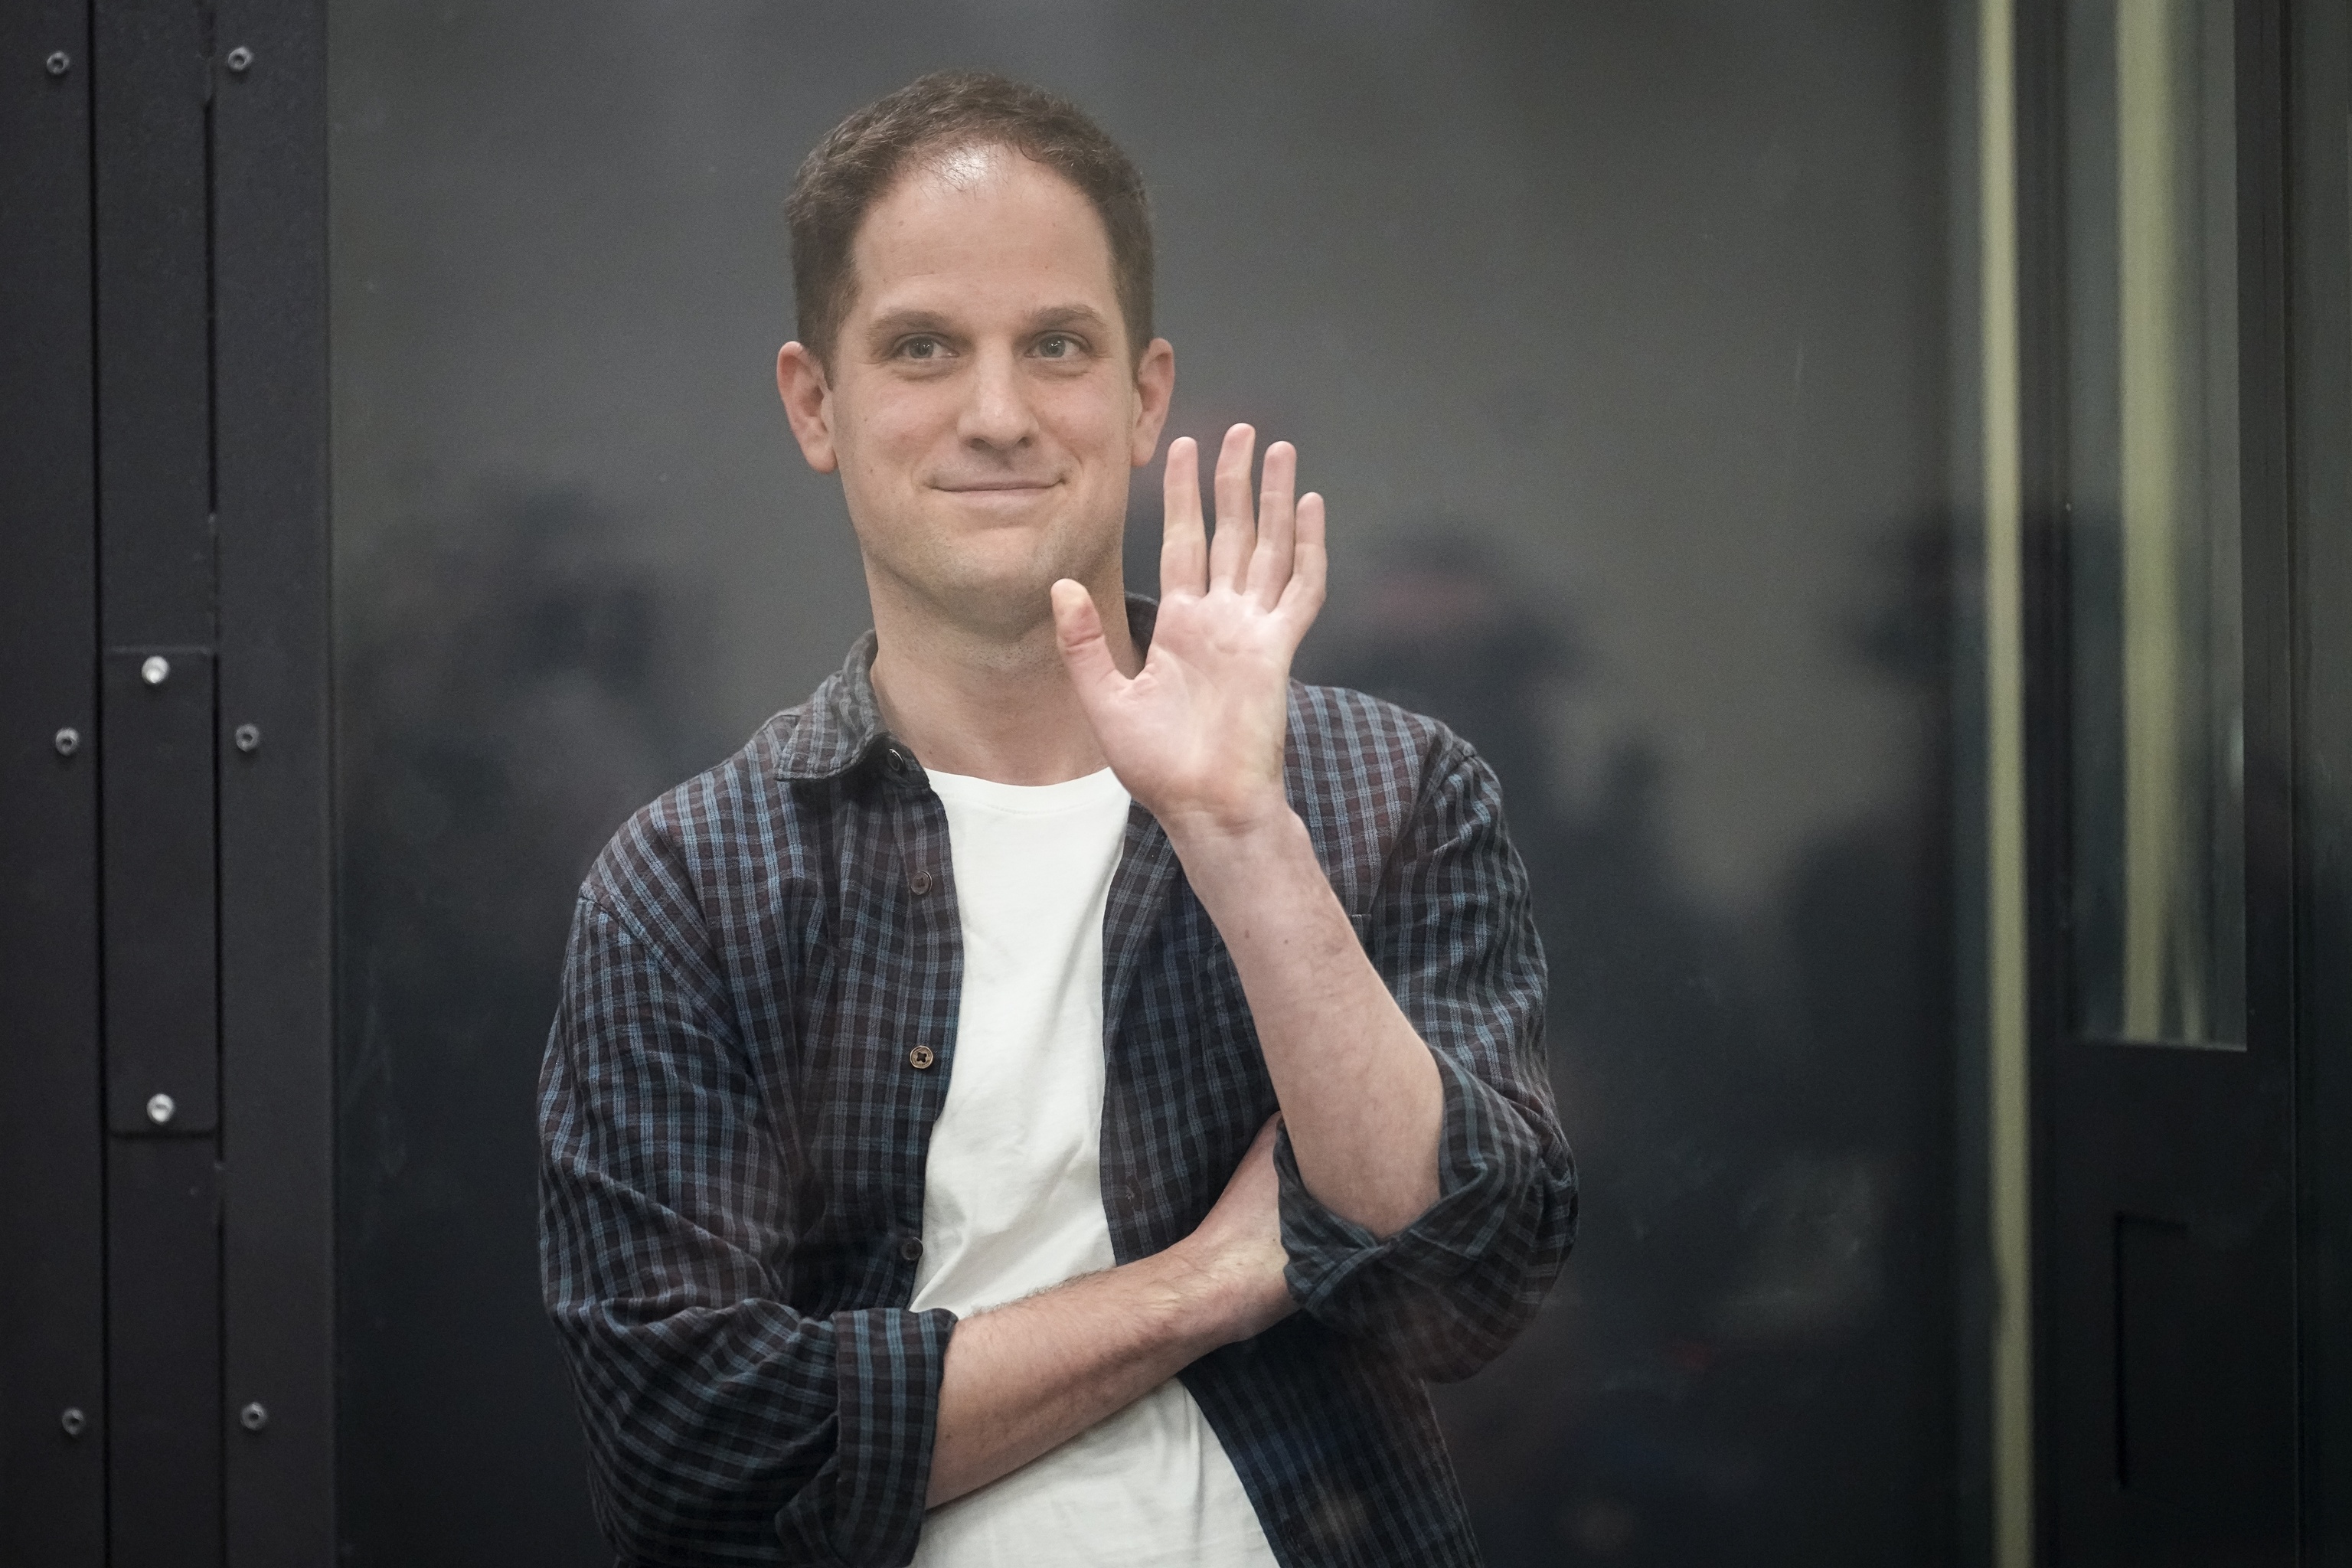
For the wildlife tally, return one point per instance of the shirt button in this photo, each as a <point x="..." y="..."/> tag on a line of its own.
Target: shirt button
<point x="920" y="1057"/>
<point x="1127" y="1190"/>
<point x="921" y="882"/>
<point x="896" y="759"/>
<point x="911" y="1249"/>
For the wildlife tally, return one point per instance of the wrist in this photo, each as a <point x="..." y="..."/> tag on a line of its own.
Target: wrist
<point x="1214" y="849"/>
<point x="1199" y="1301"/>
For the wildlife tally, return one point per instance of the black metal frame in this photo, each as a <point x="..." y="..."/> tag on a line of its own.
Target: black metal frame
<point x="52" y="1288"/>
<point x="2319" y="314"/>
<point x="269" y="298"/>
<point x="2195" y="1146"/>
<point x="167" y="1099"/>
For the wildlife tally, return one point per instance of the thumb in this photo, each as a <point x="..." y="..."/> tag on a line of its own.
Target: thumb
<point x="1086" y="652"/>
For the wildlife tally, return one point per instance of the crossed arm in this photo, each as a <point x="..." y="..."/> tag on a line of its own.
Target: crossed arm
<point x="1197" y="736"/>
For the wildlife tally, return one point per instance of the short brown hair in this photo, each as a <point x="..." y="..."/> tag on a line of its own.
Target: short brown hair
<point x="863" y="156"/>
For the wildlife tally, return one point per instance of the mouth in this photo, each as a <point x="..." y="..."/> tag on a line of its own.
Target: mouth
<point x="995" y="487"/>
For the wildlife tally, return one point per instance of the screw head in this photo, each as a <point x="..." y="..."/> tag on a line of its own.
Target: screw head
<point x="155" y="670"/>
<point x="67" y="742"/>
<point x="248" y="737"/>
<point x="59" y="62"/>
<point x="160" y="1109"/>
<point x="73" y="1423"/>
<point x="240" y="59"/>
<point x="254" y="1416"/>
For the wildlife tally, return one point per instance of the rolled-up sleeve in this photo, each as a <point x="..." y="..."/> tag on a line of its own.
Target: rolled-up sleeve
<point x="1452" y="933"/>
<point x="723" y="1425"/>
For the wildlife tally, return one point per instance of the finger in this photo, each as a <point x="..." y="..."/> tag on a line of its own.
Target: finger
<point x="1183" y="538"/>
<point x="1302" y="597"/>
<point x="1269" y="567"/>
<point x="1229" y="553"/>
<point x="1086" y="652"/>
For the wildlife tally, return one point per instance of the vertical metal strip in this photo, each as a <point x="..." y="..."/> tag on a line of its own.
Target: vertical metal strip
<point x="2148" y="288"/>
<point x="52" y="1280"/>
<point x="270" y="396"/>
<point x="2319" y="228"/>
<point x="2007" y="1078"/>
<point x="148" y="79"/>
<point x="164" y="1452"/>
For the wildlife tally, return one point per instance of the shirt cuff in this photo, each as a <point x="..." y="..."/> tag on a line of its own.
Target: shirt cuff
<point x="1485" y="1162"/>
<point x="865" y="1508"/>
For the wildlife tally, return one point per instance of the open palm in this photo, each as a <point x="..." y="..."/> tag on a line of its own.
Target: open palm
<point x="1197" y="735"/>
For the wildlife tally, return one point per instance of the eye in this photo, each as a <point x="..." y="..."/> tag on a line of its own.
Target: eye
<point x="920" y="348"/>
<point x="1058" y="345"/>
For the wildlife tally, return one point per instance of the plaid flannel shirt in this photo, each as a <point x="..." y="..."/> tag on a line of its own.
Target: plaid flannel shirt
<point x="755" y="1037"/>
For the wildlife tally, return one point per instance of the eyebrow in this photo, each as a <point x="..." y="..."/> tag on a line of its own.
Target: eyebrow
<point x="897" y="323"/>
<point x="1067" y="316"/>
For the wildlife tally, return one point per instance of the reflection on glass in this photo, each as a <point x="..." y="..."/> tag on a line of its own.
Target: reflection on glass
<point x="1616" y="333"/>
<point x="2159" y="867"/>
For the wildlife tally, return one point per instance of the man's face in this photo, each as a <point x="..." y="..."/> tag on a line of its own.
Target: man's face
<point x="982" y="404"/>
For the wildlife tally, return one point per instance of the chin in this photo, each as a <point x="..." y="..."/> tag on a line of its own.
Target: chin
<point x="996" y="580"/>
<point x="1002" y="593"/>
<point x="1001" y="610"/>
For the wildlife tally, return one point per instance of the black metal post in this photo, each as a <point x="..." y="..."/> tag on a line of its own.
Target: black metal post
<point x="52" y="1243"/>
<point x="167" y="1363"/>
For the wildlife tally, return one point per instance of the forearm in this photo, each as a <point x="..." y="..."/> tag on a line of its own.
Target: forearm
<point x="1024" y="1378"/>
<point x="1359" y="1092"/>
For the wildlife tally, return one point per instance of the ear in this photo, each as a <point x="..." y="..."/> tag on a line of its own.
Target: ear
<point x="1155" y="384"/>
<point x="808" y="404"/>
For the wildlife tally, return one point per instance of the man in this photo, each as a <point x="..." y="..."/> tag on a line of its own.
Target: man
<point x="1051" y="1096"/>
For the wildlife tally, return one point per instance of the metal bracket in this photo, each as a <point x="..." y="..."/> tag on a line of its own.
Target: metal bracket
<point x="157" y="835"/>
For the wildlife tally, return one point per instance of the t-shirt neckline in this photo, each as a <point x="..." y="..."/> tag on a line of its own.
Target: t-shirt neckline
<point x="1088" y="790"/>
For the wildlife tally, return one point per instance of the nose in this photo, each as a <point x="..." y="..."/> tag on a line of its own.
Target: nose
<point x="996" y="416"/>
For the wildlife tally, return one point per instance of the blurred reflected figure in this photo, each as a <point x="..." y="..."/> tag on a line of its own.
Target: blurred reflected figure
<point x="1737" y="1358"/>
<point x="514" y="679"/>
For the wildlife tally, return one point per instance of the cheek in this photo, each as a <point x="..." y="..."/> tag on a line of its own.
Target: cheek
<point x="1090" y="421"/>
<point x="880" y="442"/>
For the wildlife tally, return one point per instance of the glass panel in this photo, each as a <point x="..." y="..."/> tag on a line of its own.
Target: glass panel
<point x="2159" y="841"/>
<point x="1617" y="337"/>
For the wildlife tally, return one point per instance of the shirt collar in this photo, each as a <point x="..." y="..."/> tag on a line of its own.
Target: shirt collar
<point x="841" y="723"/>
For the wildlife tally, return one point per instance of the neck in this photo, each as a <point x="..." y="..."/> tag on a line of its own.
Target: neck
<point x="991" y="703"/>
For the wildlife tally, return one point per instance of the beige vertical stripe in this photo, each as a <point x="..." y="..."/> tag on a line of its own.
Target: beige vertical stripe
<point x="2147" y="225"/>
<point x="2010" y="1200"/>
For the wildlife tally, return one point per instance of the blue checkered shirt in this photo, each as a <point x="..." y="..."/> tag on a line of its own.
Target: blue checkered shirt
<point x="755" y="1036"/>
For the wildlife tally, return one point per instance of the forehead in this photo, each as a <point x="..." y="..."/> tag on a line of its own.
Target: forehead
<point x="977" y="228"/>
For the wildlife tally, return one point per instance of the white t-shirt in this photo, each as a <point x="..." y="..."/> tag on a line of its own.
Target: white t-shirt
<point x="1012" y="1191"/>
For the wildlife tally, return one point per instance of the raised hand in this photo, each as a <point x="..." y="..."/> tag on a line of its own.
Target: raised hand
<point x="1197" y="735"/>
